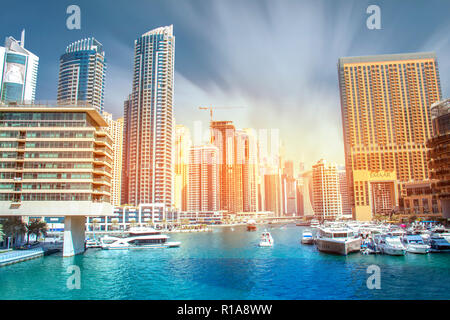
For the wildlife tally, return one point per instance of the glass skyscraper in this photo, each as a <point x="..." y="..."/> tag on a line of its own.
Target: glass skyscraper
<point x="18" y="71"/>
<point x="82" y="74"/>
<point x="148" y="127"/>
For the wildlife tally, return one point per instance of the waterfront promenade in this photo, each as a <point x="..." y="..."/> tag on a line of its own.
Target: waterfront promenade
<point x="15" y="256"/>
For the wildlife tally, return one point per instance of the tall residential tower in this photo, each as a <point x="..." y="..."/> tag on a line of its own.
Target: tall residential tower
<point x="149" y="121"/>
<point x="385" y="105"/>
<point x="82" y="73"/>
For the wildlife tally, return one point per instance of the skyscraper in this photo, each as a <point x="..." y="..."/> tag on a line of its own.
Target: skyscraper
<point x="115" y="129"/>
<point x="223" y="137"/>
<point x="181" y="180"/>
<point x="149" y="121"/>
<point x="326" y="196"/>
<point x="385" y="105"/>
<point x="82" y="73"/>
<point x="343" y="190"/>
<point x="18" y="71"/>
<point x="203" y="179"/>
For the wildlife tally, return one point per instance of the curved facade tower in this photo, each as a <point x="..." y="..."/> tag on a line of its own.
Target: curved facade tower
<point x="149" y="121"/>
<point x="82" y="74"/>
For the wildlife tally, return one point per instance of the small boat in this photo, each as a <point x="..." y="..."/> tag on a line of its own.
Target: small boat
<point x="340" y="240"/>
<point x="439" y="244"/>
<point x="266" y="239"/>
<point x="92" y="243"/>
<point x="251" y="225"/>
<point x="415" y="244"/>
<point x="137" y="242"/>
<point x="307" y="237"/>
<point x="390" y="244"/>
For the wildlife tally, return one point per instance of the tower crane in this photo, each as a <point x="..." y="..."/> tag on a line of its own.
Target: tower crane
<point x="213" y="108"/>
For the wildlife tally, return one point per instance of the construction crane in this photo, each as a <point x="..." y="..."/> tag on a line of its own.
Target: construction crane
<point x="213" y="108"/>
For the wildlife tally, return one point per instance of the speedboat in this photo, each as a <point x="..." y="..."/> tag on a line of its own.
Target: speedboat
<point x="390" y="244"/>
<point x="341" y="240"/>
<point x="137" y="242"/>
<point x="251" y="225"/>
<point x="415" y="244"/>
<point x="439" y="244"/>
<point x="266" y="239"/>
<point x="307" y="237"/>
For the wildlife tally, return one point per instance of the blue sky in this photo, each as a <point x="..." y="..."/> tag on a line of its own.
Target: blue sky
<point x="277" y="58"/>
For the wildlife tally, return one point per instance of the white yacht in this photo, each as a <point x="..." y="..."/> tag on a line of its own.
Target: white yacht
<point x="390" y="244"/>
<point x="415" y="244"/>
<point x="315" y="223"/>
<point x="266" y="239"/>
<point x="307" y="237"/>
<point x="152" y="240"/>
<point x="338" y="240"/>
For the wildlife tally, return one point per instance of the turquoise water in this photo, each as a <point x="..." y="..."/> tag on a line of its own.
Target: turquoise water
<point x="227" y="264"/>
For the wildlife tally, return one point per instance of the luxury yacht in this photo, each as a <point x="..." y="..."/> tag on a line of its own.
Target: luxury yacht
<point x="154" y="240"/>
<point x="439" y="244"/>
<point x="266" y="239"/>
<point x="315" y="223"/>
<point x="338" y="240"/>
<point x="415" y="244"/>
<point x="307" y="237"/>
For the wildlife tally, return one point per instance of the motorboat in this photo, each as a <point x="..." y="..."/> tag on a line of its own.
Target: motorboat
<point x="266" y="239"/>
<point x="142" y="231"/>
<point x="415" y="244"/>
<point x="390" y="244"/>
<point x="137" y="242"/>
<point x="439" y="244"/>
<point x="340" y="240"/>
<point x="251" y="225"/>
<point x="307" y="237"/>
<point x="92" y="243"/>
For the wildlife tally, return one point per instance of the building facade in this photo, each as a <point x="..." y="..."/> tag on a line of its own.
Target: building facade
<point x="204" y="192"/>
<point x="439" y="153"/>
<point x="149" y="121"/>
<point x="82" y="71"/>
<point x="327" y="201"/>
<point x="115" y="129"/>
<point x="385" y="107"/>
<point x="18" y="72"/>
<point x="55" y="161"/>
<point x="183" y="144"/>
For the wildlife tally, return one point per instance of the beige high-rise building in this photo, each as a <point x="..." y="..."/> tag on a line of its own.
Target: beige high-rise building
<point x="148" y="160"/>
<point x="203" y="179"/>
<point x="181" y="181"/>
<point x="115" y="129"/>
<point x="385" y="105"/>
<point x="327" y="201"/>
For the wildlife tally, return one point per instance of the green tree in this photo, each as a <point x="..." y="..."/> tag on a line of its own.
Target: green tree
<point x="14" y="227"/>
<point x="36" y="227"/>
<point x="1" y="233"/>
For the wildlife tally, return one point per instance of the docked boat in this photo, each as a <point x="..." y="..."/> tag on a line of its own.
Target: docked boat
<point x="439" y="244"/>
<point x="338" y="240"/>
<point x="314" y="223"/>
<point x="138" y="242"/>
<point x="251" y="225"/>
<point x="266" y="239"/>
<point x="415" y="244"/>
<point x="307" y="237"/>
<point x="390" y="244"/>
<point x="142" y="231"/>
<point x="92" y="243"/>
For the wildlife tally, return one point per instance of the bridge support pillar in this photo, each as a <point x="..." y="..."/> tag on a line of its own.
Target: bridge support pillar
<point x="74" y="235"/>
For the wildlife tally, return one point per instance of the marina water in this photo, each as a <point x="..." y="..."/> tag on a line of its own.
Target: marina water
<point x="228" y="264"/>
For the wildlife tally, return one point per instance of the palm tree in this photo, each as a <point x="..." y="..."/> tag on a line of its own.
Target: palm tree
<point x="36" y="227"/>
<point x="115" y="223"/>
<point x="14" y="227"/>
